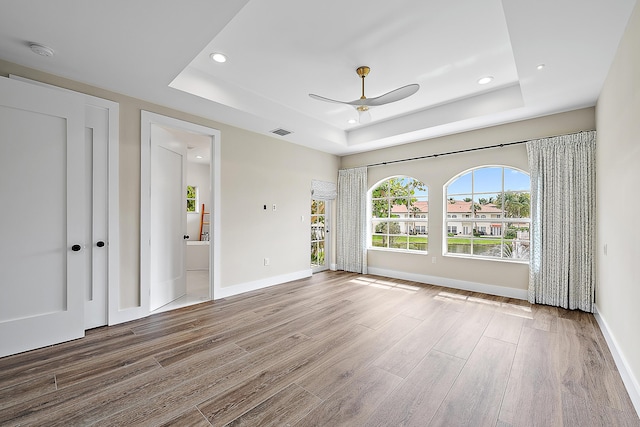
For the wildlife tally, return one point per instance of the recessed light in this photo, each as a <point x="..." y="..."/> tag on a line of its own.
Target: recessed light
<point x="352" y="121"/>
<point x="41" y="50"/>
<point x="485" y="80"/>
<point x="218" y="57"/>
<point x="198" y="157"/>
<point x="540" y="66"/>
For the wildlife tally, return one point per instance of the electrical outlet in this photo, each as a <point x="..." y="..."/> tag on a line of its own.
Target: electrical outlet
<point x="433" y="260"/>
<point x="266" y="262"/>
<point x="274" y="206"/>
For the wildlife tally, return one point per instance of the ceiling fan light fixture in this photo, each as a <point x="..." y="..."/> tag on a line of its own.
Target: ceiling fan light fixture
<point x="364" y="116"/>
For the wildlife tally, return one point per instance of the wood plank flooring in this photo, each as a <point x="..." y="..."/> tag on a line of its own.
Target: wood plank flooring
<point x="336" y="349"/>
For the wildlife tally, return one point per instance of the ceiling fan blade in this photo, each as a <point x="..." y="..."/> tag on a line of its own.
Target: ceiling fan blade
<point x="322" y="98"/>
<point x="393" y="96"/>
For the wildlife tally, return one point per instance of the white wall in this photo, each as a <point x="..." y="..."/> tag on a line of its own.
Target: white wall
<point x="497" y="277"/>
<point x="618" y="180"/>
<point x="256" y="170"/>
<point x="198" y="175"/>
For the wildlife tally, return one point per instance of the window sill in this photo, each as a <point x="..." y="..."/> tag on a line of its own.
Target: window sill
<point x="401" y="251"/>
<point x="481" y="258"/>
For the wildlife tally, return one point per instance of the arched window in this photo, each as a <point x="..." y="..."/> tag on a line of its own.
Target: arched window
<point x="495" y="205"/>
<point x="399" y="214"/>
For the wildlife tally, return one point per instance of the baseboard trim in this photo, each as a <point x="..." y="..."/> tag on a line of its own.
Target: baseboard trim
<point x="631" y="383"/>
<point x="452" y="283"/>
<point x="259" y="284"/>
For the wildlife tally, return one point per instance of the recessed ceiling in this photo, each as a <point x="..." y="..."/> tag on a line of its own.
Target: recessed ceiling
<point x="281" y="50"/>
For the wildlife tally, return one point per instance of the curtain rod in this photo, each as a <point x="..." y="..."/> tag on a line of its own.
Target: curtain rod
<point x="463" y="151"/>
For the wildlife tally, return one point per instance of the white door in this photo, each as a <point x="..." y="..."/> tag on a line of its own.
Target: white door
<point x="96" y="192"/>
<point x="168" y="218"/>
<point x="42" y="217"/>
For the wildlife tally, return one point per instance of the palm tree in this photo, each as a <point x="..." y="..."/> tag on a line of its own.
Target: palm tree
<point x="515" y="205"/>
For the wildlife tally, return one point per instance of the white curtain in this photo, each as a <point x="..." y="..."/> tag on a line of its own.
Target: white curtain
<point x="352" y="221"/>
<point x="562" y="265"/>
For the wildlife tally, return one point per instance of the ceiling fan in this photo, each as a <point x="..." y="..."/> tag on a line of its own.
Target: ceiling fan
<point x="363" y="104"/>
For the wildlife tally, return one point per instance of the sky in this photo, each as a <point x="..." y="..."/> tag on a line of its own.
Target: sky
<point x="484" y="182"/>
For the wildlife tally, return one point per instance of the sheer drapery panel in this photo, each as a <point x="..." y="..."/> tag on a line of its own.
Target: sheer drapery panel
<point x="562" y="265"/>
<point x="351" y="247"/>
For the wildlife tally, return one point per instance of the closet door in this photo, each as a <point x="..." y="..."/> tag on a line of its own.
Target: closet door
<point x="42" y="217"/>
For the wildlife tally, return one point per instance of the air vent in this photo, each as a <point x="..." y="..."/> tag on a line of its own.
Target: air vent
<point x="281" y="132"/>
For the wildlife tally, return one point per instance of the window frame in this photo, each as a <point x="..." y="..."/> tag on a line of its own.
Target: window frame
<point x="420" y="219"/>
<point x="488" y="220"/>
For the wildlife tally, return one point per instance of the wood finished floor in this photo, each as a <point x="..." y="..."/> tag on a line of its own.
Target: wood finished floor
<point x="337" y="349"/>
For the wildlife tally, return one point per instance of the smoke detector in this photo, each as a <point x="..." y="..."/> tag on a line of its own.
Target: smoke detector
<point x="41" y="50"/>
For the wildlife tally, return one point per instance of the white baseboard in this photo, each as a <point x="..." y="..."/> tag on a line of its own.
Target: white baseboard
<point x="333" y="267"/>
<point x="631" y="383"/>
<point x="225" y="292"/>
<point x="452" y="283"/>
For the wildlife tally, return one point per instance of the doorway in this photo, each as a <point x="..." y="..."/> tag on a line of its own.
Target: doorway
<point x="188" y="281"/>
<point x="168" y="235"/>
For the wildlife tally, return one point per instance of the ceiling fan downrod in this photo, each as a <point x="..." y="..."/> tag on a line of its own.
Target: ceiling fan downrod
<point x="363" y="72"/>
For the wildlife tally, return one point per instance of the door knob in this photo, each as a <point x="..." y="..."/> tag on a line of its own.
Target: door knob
<point x="100" y="244"/>
<point x="185" y="237"/>
<point x="76" y="248"/>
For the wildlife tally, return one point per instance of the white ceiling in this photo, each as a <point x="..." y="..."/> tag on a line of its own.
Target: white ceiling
<point x="281" y="50"/>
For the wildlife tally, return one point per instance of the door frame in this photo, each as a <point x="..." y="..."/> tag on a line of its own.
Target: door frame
<point x="114" y="314"/>
<point x="148" y="119"/>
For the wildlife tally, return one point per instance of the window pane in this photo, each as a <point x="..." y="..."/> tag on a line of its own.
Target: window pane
<point x="379" y="227"/>
<point x="487" y="205"/>
<point x="317" y="206"/>
<point x="516" y="249"/>
<point x="459" y="205"/>
<point x="395" y="228"/>
<point x="191" y="205"/>
<point x="462" y="185"/>
<point x="515" y="180"/>
<point x="381" y="190"/>
<point x="517" y="205"/>
<point x="191" y="192"/>
<point x="317" y="253"/>
<point x="456" y="245"/>
<point x="418" y="243"/>
<point x="398" y="242"/>
<point x="380" y="208"/>
<point x="317" y="232"/>
<point x="399" y="208"/>
<point x="379" y="241"/>
<point x="486" y="180"/>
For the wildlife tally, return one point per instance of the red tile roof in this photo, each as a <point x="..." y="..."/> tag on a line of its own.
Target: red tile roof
<point x="458" y="206"/>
